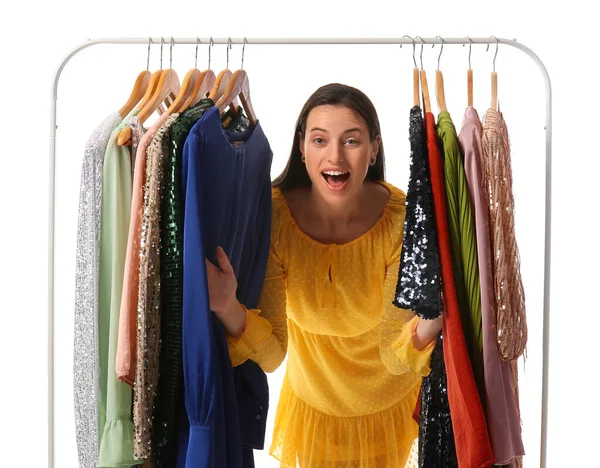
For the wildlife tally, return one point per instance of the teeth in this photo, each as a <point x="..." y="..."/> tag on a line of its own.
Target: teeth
<point x="334" y="173"/>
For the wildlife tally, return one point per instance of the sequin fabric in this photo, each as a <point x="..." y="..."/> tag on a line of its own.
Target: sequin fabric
<point x="171" y="266"/>
<point x="148" y="331"/>
<point x="419" y="280"/>
<point x="170" y="384"/>
<point x="436" y="438"/>
<point x="508" y="285"/>
<point x="137" y="132"/>
<point x="86" y="372"/>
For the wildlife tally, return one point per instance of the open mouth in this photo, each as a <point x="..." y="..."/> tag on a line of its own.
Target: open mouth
<point x="335" y="179"/>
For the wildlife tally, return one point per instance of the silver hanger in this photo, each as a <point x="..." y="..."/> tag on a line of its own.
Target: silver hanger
<point x="414" y="49"/>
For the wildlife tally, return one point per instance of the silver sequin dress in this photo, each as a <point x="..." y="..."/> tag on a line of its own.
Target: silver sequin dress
<point x="86" y="354"/>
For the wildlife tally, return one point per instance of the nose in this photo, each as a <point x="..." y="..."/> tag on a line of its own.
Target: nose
<point x="336" y="154"/>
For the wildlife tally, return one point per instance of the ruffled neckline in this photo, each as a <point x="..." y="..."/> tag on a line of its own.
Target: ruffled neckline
<point x="397" y="197"/>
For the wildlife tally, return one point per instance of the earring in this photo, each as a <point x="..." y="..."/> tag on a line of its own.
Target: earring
<point x="373" y="160"/>
<point x="303" y="158"/>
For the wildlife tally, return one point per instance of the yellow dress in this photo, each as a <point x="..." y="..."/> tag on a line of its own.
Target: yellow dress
<point x="353" y="375"/>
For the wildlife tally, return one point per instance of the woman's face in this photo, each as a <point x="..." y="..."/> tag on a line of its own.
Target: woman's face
<point x="337" y="151"/>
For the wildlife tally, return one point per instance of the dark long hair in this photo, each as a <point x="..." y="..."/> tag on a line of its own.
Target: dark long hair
<point x="335" y="94"/>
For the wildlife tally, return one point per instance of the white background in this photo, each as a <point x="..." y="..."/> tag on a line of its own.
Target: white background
<point x="97" y="81"/>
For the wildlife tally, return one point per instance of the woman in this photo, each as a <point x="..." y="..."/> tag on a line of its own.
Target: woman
<point x="355" y="361"/>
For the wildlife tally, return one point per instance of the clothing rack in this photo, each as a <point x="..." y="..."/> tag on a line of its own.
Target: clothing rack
<point x="307" y="41"/>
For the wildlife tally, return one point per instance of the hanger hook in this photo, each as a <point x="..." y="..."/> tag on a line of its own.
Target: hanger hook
<point x="162" y="43"/>
<point x="171" y="52"/>
<point x="470" y="44"/>
<point x="441" y="49"/>
<point x="211" y="43"/>
<point x="148" y="59"/>
<point x="196" y="58"/>
<point x="244" y="51"/>
<point x="422" y="44"/>
<point x="488" y="48"/>
<point x="494" y="62"/>
<point x="228" y="47"/>
<point x="414" y="48"/>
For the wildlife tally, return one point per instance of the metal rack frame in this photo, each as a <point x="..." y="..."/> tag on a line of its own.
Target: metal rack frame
<point x="307" y="41"/>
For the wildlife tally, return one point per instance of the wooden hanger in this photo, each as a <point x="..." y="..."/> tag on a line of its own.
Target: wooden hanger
<point x="223" y="82"/>
<point x="439" y="82"/>
<point x="220" y="87"/>
<point x="415" y="73"/>
<point x="137" y="93"/>
<point x="125" y="135"/>
<point x="469" y="77"/>
<point x="494" y="90"/>
<point x="470" y="87"/>
<point x="142" y="89"/>
<point x="495" y="80"/>
<point x="194" y="83"/>
<point x="204" y="84"/>
<point x="168" y="85"/>
<point x="151" y="89"/>
<point x="185" y="91"/>
<point x="425" y="89"/>
<point x="439" y="91"/>
<point x="153" y="82"/>
<point x="416" y="86"/>
<point x="238" y="86"/>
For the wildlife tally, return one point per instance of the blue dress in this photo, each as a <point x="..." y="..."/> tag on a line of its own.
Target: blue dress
<point x="227" y="203"/>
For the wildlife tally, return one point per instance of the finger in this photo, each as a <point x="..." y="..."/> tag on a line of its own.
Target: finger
<point x="223" y="260"/>
<point x="210" y="268"/>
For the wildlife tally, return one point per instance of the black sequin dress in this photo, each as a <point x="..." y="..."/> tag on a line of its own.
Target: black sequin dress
<point x="419" y="279"/>
<point x="419" y="289"/>
<point x="436" y="438"/>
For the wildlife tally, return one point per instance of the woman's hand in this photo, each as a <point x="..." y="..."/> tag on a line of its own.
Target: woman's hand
<point x="222" y="283"/>
<point x="222" y="288"/>
<point x="426" y="332"/>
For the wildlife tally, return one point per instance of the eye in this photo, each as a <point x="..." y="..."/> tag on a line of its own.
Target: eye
<point x="319" y="141"/>
<point x="352" y="141"/>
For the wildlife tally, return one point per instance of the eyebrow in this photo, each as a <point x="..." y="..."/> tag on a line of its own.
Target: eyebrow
<point x="350" y="130"/>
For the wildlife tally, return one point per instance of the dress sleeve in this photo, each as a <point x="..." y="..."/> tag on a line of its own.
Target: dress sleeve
<point x="397" y="329"/>
<point x="264" y="340"/>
